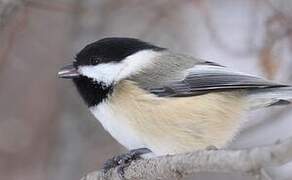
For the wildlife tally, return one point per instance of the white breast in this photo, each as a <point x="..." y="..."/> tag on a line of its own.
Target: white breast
<point x="117" y="126"/>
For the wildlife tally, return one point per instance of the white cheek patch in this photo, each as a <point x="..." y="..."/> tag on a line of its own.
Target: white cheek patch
<point x="109" y="73"/>
<point x="105" y="73"/>
<point x="136" y="62"/>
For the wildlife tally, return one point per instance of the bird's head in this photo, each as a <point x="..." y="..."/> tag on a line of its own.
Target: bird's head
<point x="102" y="64"/>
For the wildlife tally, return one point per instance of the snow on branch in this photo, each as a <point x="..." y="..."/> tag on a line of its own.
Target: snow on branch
<point x="245" y="161"/>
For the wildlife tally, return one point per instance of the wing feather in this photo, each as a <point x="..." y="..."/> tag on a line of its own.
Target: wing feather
<point x="209" y="77"/>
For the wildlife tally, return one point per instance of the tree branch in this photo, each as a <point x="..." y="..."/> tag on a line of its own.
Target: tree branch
<point x="245" y="161"/>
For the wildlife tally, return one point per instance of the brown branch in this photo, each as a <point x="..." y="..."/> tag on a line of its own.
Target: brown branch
<point x="245" y="161"/>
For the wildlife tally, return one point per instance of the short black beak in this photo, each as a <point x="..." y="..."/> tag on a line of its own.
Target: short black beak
<point x="68" y="72"/>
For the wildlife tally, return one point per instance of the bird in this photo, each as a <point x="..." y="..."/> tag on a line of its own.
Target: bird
<point x="153" y="100"/>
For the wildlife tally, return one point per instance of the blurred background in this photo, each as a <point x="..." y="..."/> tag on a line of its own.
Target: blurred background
<point x="46" y="131"/>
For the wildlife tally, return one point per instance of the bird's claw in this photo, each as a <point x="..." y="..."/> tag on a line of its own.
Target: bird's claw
<point x="124" y="160"/>
<point x="211" y="148"/>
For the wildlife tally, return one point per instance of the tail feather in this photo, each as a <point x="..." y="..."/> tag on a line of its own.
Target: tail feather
<point x="258" y="98"/>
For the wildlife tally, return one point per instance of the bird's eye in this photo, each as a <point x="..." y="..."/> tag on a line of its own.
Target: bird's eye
<point x="94" y="60"/>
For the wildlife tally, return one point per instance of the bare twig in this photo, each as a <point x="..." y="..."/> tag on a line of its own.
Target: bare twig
<point x="245" y="161"/>
<point x="7" y="9"/>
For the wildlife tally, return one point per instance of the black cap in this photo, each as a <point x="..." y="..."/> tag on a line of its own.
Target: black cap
<point x="112" y="49"/>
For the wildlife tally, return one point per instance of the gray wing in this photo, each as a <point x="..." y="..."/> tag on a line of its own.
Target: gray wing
<point x="209" y="77"/>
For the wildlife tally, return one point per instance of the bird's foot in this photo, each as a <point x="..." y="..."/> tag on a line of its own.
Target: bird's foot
<point x="124" y="160"/>
<point x="211" y="148"/>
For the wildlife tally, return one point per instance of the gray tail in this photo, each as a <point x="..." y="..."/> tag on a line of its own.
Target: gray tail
<point x="258" y="98"/>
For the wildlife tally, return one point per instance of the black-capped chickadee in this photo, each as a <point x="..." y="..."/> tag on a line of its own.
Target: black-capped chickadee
<point x="146" y="96"/>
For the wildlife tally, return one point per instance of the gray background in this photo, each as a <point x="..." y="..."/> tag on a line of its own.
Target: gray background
<point x="46" y="131"/>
